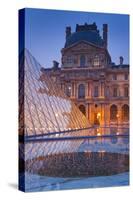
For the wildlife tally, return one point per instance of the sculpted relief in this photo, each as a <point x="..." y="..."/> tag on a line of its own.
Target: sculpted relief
<point x="83" y="46"/>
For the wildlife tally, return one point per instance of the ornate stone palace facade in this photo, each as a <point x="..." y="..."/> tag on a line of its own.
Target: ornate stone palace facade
<point x="87" y="75"/>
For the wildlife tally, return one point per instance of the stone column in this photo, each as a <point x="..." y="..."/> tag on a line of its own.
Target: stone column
<point x="91" y="113"/>
<point x="87" y="111"/>
<point x="102" y="86"/>
<point x="72" y="90"/>
<point x="100" y="89"/>
<point x="119" y="114"/>
<point x="107" y="115"/>
<point x="121" y="90"/>
<point x="102" y="121"/>
<point x="91" y="89"/>
<point x="75" y="91"/>
<point x="86" y="90"/>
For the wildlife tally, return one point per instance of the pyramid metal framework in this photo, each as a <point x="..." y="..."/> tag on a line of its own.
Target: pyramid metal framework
<point x="48" y="119"/>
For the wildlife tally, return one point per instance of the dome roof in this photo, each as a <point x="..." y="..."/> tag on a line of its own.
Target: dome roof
<point x="88" y="36"/>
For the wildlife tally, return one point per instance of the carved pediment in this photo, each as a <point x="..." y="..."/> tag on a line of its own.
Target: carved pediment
<point x="82" y="46"/>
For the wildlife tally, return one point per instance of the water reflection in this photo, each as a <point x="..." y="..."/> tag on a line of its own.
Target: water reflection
<point x="80" y="164"/>
<point x="85" y="155"/>
<point x="114" y="139"/>
<point x="113" y="143"/>
<point x="118" y="130"/>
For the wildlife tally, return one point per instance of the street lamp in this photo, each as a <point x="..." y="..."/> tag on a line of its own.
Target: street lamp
<point x="98" y="134"/>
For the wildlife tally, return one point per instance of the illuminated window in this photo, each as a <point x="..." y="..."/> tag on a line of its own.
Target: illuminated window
<point x="125" y="112"/>
<point x="96" y="61"/>
<point x="113" y="113"/>
<point x="82" y="60"/>
<point x="81" y="91"/>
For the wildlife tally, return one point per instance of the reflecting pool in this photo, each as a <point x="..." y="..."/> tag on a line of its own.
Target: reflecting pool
<point x="97" y="162"/>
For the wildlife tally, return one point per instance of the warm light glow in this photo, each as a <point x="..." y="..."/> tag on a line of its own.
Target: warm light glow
<point x="98" y="134"/>
<point x="56" y="135"/>
<point x="117" y="133"/>
<point x="117" y="115"/>
<point x="98" y="115"/>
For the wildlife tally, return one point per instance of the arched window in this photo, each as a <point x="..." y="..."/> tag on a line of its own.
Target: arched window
<point x="125" y="112"/>
<point x="113" y="113"/>
<point x="81" y="91"/>
<point x="82" y="109"/>
<point x="82" y="60"/>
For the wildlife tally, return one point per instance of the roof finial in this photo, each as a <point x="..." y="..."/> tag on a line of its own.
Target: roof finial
<point x="121" y="60"/>
<point x="68" y="31"/>
<point x="105" y="35"/>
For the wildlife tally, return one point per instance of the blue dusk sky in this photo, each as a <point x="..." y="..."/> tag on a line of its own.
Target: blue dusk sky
<point x="45" y="32"/>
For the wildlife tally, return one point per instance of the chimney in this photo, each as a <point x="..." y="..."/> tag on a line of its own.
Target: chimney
<point x="121" y="60"/>
<point x="68" y="31"/>
<point x="105" y="35"/>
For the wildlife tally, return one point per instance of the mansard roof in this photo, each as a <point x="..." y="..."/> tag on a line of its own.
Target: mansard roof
<point x="92" y="37"/>
<point x="86" y="32"/>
